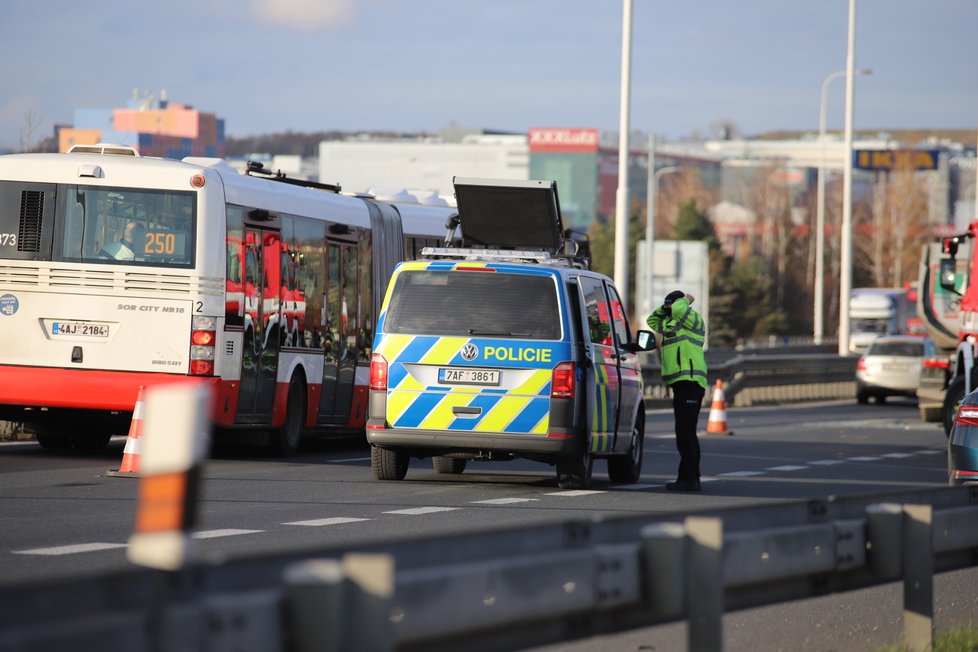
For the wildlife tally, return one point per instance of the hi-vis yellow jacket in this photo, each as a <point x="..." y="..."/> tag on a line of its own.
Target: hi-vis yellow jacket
<point x="683" y="334"/>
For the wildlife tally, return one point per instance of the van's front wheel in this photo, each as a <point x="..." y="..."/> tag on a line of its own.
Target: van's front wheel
<point x="452" y="465"/>
<point x="627" y="468"/>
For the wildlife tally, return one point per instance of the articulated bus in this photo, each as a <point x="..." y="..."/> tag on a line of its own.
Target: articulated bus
<point x="119" y="272"/>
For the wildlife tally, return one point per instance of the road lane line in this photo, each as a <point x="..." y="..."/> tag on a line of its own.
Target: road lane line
<point x="827" y="462"/>
<point x="740" y="474"/>
<point x="353" y="459"/>
<point x="930" y="451"/>
<point x="415" y="511"/>
<point x="786" y="467"/>
<point x="504" y="501"/>
<point x="897" y="456"/>
<point x="633" y="487"/>
<point x="70" y="550"/>
<point x="229" y="532"/>
<point x="336" y="520"/>
<point x="575" y="492"/>
<point x="863" y="458"/>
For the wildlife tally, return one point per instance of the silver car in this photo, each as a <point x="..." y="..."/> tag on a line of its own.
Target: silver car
<point x="890" y="367"/>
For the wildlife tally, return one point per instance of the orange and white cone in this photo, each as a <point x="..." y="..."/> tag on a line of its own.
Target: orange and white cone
<point x="717" y="424"/>
<point x="130" y="455"/>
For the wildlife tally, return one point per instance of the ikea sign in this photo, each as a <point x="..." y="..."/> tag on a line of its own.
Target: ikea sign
<point x="895" y="159"/>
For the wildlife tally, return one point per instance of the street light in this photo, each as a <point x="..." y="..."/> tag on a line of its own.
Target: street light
<point x="653" y="185"/>
<point x="820" y="206"/>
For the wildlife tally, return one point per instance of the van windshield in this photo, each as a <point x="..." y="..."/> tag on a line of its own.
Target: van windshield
<point x="474" y="304"/>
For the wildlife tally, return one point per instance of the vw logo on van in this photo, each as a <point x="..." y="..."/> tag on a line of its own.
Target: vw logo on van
<point x="470" y="352"/>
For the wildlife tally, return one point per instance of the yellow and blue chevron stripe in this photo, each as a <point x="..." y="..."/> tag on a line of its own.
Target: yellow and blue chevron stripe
<point x="520" y="404"/>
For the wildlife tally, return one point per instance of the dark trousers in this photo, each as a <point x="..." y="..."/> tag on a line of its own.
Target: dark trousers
<point x="687" y="398"/>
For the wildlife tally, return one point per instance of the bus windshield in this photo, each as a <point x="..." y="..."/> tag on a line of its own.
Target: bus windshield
<point x="86" y="224"/>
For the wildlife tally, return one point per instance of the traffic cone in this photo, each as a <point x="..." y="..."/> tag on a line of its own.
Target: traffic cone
<point x="130" y="455"/>
<point x="717" y="423"/>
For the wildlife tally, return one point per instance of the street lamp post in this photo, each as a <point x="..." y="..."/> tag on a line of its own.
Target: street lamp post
<point x="652" y="191"/>
<point x="820" y="207"/>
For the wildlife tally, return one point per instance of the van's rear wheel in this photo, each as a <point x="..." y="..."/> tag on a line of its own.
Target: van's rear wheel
<point x="575" y="472"/>
<point x="453" y="465"/>
<point x="284" y="440"/>
<point x="627" y="468"/>
<point x="388" y="464"/>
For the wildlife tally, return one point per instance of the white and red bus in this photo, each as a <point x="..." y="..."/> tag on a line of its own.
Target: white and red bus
<point x="119" y="272"/>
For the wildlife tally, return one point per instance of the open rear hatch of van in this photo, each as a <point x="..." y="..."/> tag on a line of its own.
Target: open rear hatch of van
<point x="508" y="214"/>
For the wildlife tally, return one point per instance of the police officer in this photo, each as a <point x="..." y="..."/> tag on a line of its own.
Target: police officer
<point x="684" y="371"/>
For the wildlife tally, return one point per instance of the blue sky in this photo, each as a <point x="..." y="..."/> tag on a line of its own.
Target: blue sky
<point x="419" y="65"/>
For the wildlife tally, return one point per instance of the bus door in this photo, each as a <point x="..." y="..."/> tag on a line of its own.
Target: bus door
<point x="259" y="357"/>
<point x="341" y="321"/>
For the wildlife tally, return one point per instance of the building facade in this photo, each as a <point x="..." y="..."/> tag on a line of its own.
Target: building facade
<point x="154" y="127"/>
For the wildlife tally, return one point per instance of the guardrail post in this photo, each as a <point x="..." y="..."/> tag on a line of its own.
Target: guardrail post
<point x="918" y="577"/>
<point x="665" y="572"/>
<point x="314" y="605"/>
<point x="884" y="523"/>
<point x="336" y="606"/>
<point x="704" y="583"/>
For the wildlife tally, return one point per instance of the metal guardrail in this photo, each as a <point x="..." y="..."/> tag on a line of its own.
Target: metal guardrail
<point x="512" y="589"/>
<point x="754" y="379"/>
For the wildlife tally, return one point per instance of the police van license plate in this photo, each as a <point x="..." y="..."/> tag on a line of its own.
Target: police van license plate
<point x="79" y="328"/>
<point x="464" y="376"/>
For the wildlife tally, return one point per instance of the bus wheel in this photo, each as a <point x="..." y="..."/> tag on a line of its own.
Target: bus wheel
<point x="388" y="464"/>
<point x="284" y="440"/>
<point x="575" y="472"/>
<point x="451" y="465"/>
<point x="52" y="437"/>
<point x="92" y="441"/>
<point x="627" y="468"/>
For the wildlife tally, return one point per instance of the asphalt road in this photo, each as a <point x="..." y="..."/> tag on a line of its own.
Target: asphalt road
<point x="63" y="516"/>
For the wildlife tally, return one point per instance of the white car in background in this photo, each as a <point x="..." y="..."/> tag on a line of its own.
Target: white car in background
<point x="890" y="367"/>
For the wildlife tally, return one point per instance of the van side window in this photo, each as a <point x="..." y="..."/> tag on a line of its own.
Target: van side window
<point x="618" y="318"/>
<point x="598" y="315"/>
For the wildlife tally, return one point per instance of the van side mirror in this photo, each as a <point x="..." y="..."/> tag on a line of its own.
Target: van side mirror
<point x="949" y="274"/>
<point x="644" y="341"/>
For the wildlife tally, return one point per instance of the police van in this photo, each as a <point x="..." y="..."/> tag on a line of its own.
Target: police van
<point x="507" y="346"/>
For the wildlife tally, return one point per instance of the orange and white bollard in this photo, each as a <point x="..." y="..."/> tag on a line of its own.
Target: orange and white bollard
<point x="717" y="423"/>
<point x="175" y="446"/>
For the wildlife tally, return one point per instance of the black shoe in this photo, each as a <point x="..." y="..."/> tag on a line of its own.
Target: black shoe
<point x="683" y="485"/>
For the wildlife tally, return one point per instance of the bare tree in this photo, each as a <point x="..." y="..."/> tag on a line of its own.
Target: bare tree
<point x="27" y="133"/>
<point x="887" y="237"/>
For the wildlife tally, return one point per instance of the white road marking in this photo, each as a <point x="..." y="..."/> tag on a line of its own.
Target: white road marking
<point x="318" y="522"/>
<point x="897" y="456"/>
<point x="504" y="501"/>
<point x="632" y="487"/>
<point x="70" y="550"/>
<point x="229" y="532"/>
<point x="574" y="493"/>
<point x="353" y="459"/>
<point x="786" y="467"/>
<point x="415" y="511"/>
<point x="863" y="459"/>
<point x="827" y="462"/>
<point x="741" y="474"/>
<point x="930" y="451"/>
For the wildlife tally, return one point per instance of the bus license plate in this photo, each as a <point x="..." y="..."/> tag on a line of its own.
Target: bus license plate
<point x="79" y="329"/>
<point x="462" y="376"/>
